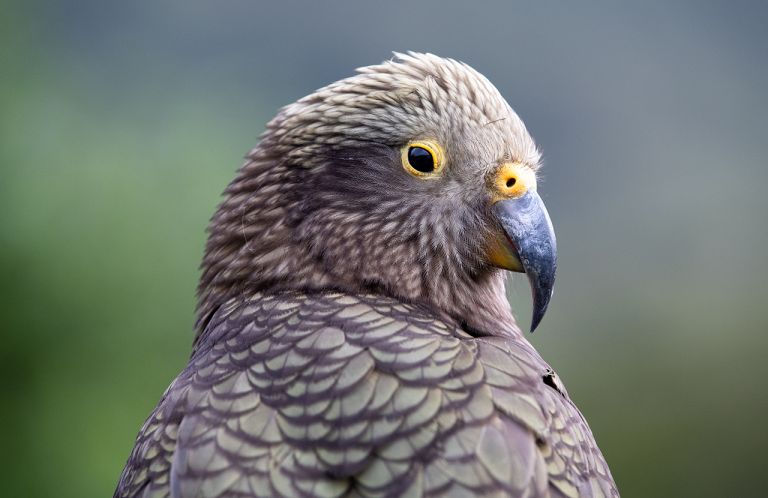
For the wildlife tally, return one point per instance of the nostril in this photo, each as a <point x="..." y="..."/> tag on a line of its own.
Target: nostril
<point x="511" y="182"/>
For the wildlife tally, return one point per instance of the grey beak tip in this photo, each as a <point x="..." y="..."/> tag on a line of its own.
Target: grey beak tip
<point x="536" y="320"/>
<point x="541" y="298"/>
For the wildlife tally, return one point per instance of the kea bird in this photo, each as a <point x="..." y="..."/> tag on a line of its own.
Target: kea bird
<point x="354" y="338"/>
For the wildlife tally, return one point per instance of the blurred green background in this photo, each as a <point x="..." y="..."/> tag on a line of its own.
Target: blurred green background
<point x="121" y="122"/>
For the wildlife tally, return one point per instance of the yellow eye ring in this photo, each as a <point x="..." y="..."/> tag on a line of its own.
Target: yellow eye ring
<point x="423" y="158"/>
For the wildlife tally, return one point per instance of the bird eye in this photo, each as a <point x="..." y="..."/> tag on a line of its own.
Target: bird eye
<point x="422" y="159"/>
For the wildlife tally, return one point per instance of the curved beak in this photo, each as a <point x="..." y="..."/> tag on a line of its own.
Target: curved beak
<point x="530" y="246"/>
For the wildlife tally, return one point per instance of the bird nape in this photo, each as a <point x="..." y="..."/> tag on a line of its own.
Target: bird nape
<point x="354" y="338"/>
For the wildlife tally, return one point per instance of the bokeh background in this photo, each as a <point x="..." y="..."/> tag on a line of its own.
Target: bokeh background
<point x="121" y="122"/>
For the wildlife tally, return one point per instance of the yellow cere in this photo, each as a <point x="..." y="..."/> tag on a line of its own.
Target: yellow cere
<point x="434" y="150"/>
<point x="513" y="180"/>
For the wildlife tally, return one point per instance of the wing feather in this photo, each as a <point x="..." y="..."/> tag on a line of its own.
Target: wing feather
<point x="332" y="395"/>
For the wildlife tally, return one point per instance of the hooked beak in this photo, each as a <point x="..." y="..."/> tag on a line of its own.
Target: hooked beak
<point x="529" y="246"/>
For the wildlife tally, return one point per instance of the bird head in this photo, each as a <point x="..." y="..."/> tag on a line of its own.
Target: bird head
<point x="413" y="178"/>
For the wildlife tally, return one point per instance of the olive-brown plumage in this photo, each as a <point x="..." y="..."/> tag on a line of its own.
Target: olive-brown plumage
<point x="354" y="338"/>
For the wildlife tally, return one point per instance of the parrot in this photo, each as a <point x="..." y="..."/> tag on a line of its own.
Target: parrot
<point x="353" y="334"/>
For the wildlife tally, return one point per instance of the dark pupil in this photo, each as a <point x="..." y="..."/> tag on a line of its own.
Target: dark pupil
<point x="421" y="160"/>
